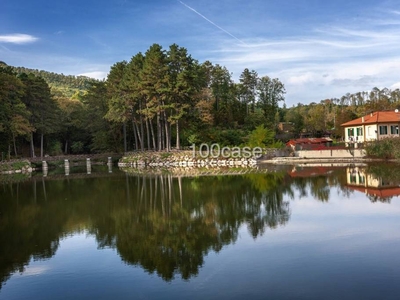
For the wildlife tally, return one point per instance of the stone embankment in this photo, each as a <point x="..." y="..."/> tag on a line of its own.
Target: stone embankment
<point x="17" y="166"/>
<point x="194" y="171"/>
<point x="181" y="159"/>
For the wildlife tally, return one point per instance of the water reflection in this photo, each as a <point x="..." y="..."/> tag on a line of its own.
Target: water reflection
<point x="377" y="182"/>
<point x="164" y="223"/>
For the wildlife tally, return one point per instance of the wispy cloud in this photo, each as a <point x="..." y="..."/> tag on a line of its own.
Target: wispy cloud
<point x="17" y="38"/>
<point x="325" y="61"/>
<point x="211" y="22"/>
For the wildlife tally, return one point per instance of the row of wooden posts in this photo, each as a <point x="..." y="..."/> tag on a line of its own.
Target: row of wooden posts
<point x="45" y="166"/>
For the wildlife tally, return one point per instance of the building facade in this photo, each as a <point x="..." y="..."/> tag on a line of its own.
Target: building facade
<point x="375" y="126"/>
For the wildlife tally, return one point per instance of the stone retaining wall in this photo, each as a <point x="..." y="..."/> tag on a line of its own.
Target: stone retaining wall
<point x="191" y="163"/>
<point x="332" y="153"/>
<point x="167" y="160"/>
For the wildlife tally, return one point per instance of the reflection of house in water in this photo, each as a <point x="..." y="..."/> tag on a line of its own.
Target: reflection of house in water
<point x="374" y="187"/>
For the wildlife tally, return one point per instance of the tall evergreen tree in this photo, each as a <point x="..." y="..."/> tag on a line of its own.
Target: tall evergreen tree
<point x="270" y="93"/>
<point x="105" y="134"/>
<point x="14" y="117"/>
<point x="184" y="83"/>
<point x="44" y="110"/>
<point x="248" y="89"/>
<point x="154" y="87"/>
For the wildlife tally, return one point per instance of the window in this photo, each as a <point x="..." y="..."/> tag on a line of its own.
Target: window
<point x="394" y="129"/>
<point x="350" y="131"/>
<point x="359" y="131"/>
<point x="383" y="130"/>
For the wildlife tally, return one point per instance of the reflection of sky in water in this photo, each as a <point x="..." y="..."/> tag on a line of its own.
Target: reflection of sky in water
<point x="346" y="248"/>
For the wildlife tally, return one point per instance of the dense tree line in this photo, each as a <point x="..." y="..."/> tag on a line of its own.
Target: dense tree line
<point x="160" y="100"/>
<point x="165" y="98"/>
<point x="326" y="116"/>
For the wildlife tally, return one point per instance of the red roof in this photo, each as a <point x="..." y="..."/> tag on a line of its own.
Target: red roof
<point x="374" y="118"/>
<point x="309" y="141"/>
<point x="382" y="192"/>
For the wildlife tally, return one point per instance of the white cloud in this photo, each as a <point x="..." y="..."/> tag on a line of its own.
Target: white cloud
<point x="95" y="74"/>
<point x="17" y="38"/>
<point x="328" y="61"/>
<point x="395" y="86"/>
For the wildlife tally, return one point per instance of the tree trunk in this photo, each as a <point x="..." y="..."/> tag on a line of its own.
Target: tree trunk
<point x="41" y="145"/>
<point x="148" y="134"/>
<point x="14" y="144"/>
<point x="178" y="143"/>
<point x="66" y="147"/>
<point x="162" y="130"/>
<point x="141" y="133"/>
<point x="159" y="140"/>
<point x="32" y="146"/>
<point x="135" y="135"/>
<point x="140" y="137"/>
<point x="152" y="135"/>
<point x="167" y="134"/>
<point x="124" y="131"/>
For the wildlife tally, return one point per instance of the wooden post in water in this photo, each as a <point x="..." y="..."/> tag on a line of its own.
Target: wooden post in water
<point x="45" y="168"/>
<point x="88" y="166"/>
<point x="66" y="165"/>
<point x="109" y="164"/>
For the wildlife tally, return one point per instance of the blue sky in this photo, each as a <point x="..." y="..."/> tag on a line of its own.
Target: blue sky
<point x="318" y="49"/>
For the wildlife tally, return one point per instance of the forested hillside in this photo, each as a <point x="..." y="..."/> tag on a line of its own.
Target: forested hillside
<point x="60" y="84"/>
<point x="161" y="100"/>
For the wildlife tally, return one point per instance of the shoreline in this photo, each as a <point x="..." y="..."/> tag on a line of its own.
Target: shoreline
<point x="182" y="160"/>
<point x="301" y="160"/>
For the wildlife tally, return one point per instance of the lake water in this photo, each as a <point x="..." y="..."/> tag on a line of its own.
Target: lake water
<point x="294" y="233"/>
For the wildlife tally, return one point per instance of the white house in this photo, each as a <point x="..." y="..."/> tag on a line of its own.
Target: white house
<point x="375" y="126"/>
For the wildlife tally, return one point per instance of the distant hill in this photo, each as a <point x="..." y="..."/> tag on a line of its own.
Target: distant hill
<point x="60" y="84"/>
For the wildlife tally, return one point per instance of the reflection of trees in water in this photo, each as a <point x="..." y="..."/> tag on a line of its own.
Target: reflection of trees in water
<point x="268" y="209"/>
<point x="26" y="230"/>
<point x="320" y="188"/>
<point x="172" y="223"/>
<point x="164" y="224"/>
<point x="320" y="185"/>
<point x="376" y="198"/>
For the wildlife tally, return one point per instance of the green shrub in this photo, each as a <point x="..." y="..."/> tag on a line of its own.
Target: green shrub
<point x="77" y="147"/>
<point x="55" y="148"/>
<point x="388" y="148"/>
<point x="261" y="137"/>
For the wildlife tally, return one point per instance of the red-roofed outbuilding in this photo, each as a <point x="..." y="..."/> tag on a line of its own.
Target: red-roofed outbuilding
<point x="309" y="143"/>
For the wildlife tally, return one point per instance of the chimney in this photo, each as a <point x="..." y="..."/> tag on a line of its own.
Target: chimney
<point x="362" y="119"/>
<point x="371" y="114"/>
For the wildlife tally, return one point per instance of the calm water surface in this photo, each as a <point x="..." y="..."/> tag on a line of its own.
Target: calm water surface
<point x="296" y="233"/>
